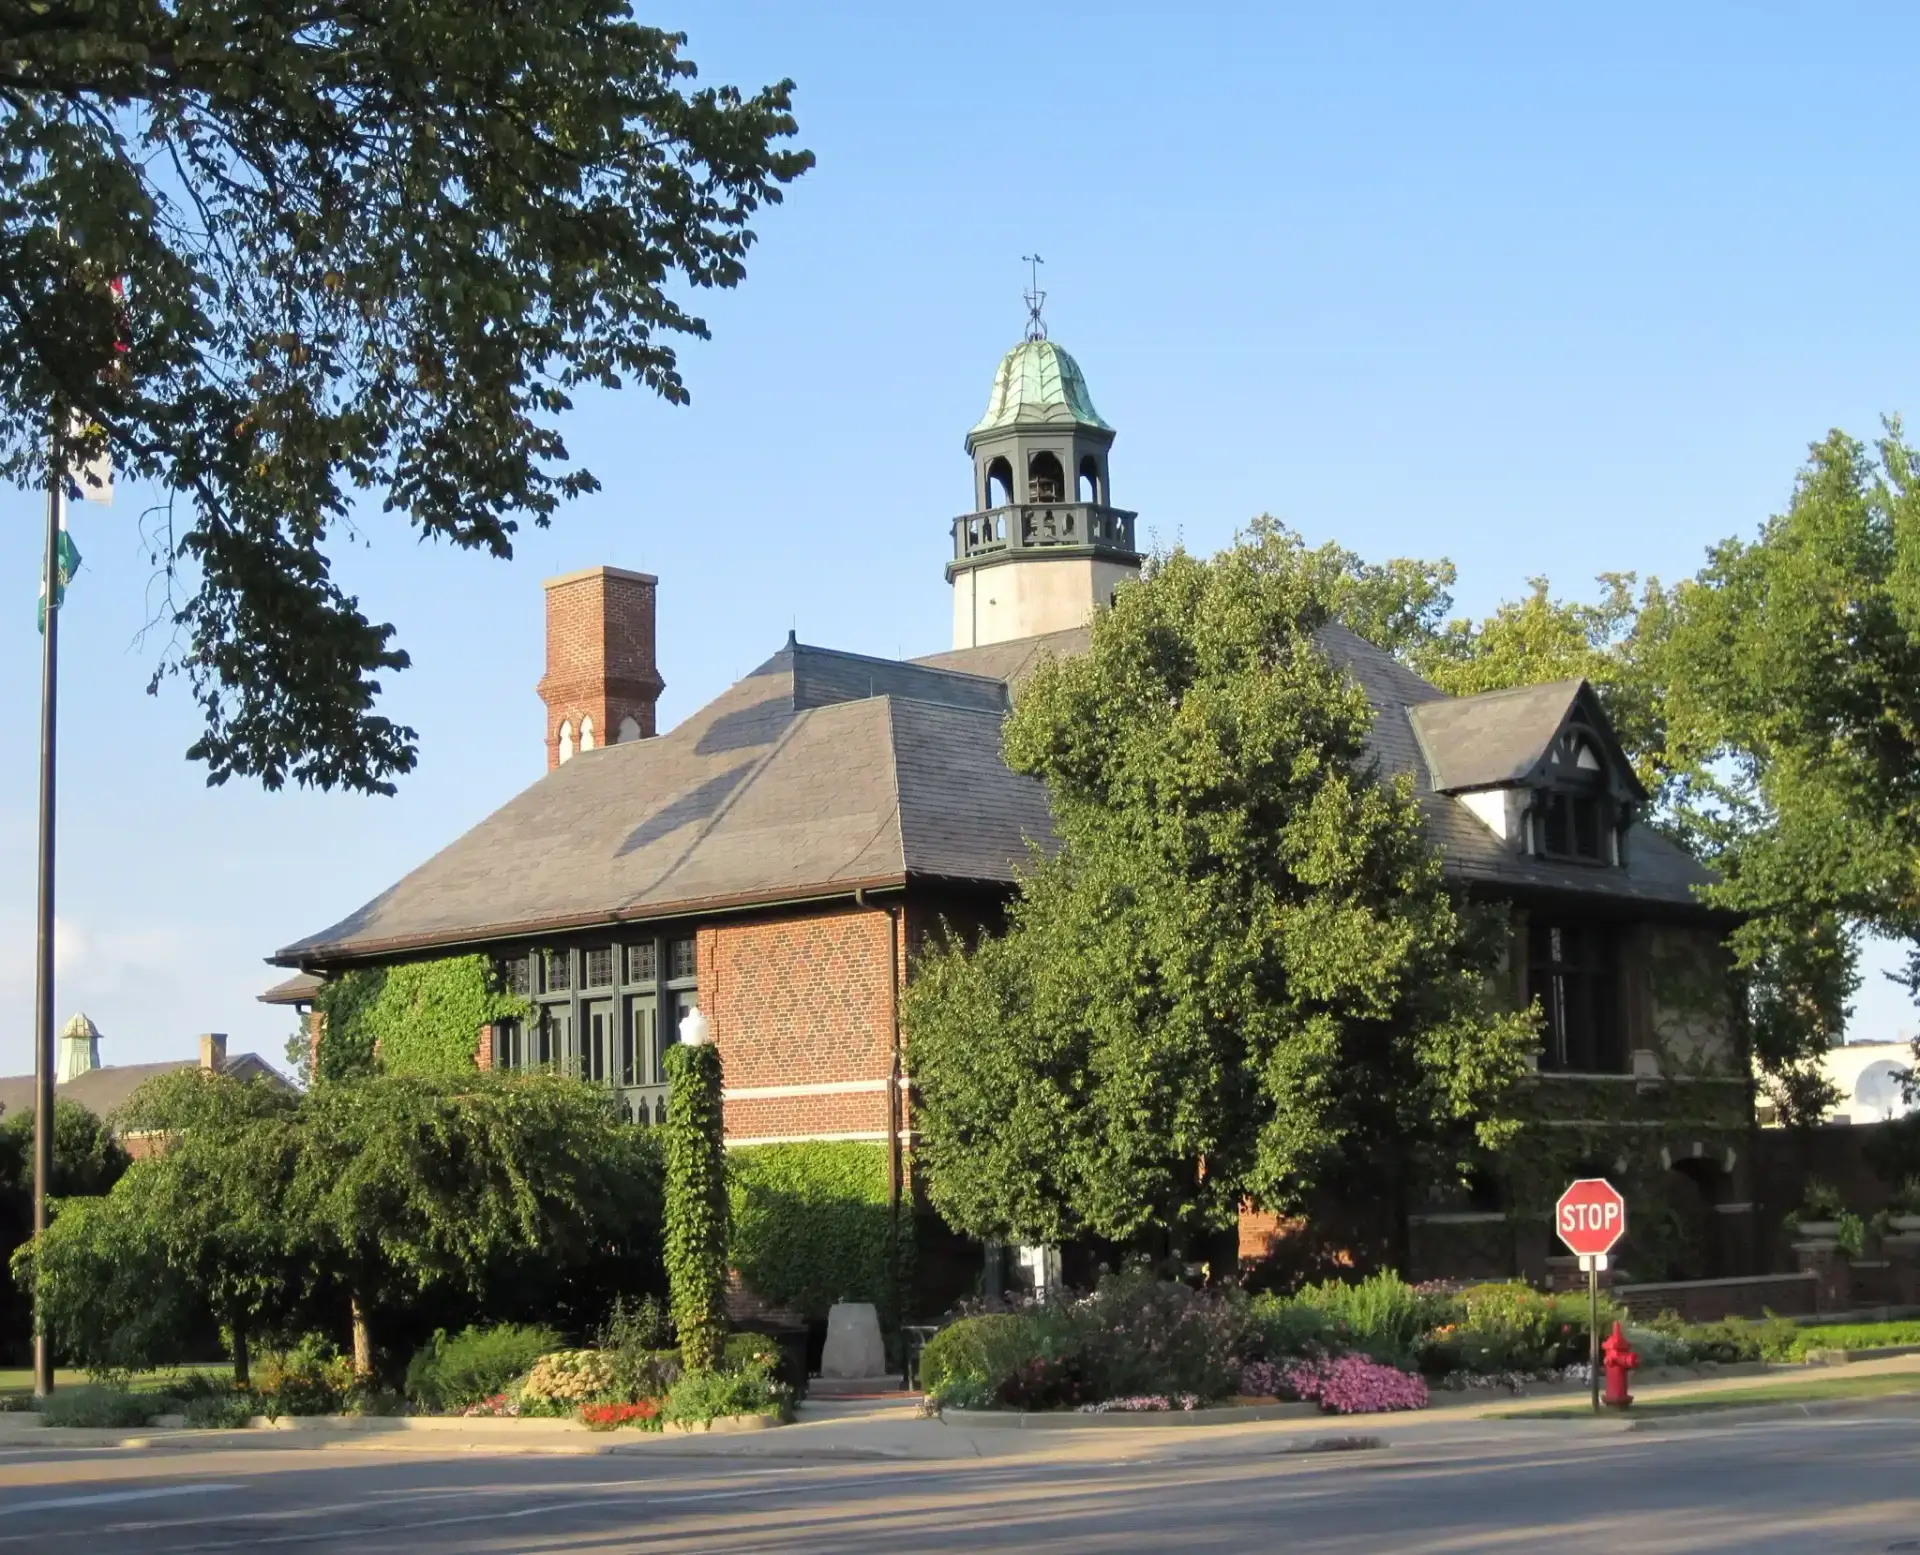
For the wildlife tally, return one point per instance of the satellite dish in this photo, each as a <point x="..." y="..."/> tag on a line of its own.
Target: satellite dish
<point x="1881" y="1089"/>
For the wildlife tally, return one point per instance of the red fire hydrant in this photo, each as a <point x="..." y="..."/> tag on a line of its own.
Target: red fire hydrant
<point x="1618" y="1358"/>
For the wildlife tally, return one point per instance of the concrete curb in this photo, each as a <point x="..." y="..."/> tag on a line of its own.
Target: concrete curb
<point x="1073" y="1420"/>
<point x="1848" y="1357"/>
<point x="421" y="1433"/>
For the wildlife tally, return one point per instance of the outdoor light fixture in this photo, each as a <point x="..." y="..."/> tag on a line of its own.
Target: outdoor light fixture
<point x="693" y="1028"/>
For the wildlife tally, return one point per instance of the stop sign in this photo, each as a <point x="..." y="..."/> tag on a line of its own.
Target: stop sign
<point x="1591" y="1216"/>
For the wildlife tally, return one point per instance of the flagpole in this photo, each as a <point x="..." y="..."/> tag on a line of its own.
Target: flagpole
<point x="43" y="969"/>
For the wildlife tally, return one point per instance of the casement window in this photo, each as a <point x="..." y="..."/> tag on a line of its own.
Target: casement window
<point x="1574" y="817"/>
<point x="1573" y="971"/>
<point x="597" y="1014"/>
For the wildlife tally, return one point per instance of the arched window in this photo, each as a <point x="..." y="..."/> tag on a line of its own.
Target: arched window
<point x="629" y="730"/>
<point x="1000" y="484"/>
<point x="586" y="733"/>
<point x="1046" y="481"/>
<point x="1090" y="487"/>
<point x="566" y="740"/>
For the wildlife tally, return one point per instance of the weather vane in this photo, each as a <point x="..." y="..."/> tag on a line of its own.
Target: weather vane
<point x="1036" y="300"/>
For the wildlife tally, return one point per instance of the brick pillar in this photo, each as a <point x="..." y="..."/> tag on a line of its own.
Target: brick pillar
<point x="1832" y="1277"/>
<point x="1902" y="1250"/>
<point x="483" y="1052"/>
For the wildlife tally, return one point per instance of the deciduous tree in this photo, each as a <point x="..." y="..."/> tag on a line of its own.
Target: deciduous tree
<point x="1241" y="973"/>
<point x="371" y="253"/>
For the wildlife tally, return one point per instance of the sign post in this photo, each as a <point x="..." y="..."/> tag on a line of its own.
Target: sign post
<point x="1590" y="1217"/>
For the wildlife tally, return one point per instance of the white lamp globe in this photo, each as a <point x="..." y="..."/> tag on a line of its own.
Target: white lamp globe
<point x="694" y="1028"/>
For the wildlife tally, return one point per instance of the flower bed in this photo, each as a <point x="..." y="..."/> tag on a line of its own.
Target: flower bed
<point x="644" y="1415"/>
<point x="1371" y="1345"/>
<point x="1353" y="1385"/>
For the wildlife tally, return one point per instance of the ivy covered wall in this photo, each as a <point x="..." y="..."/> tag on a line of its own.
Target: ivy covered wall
<point x="420" y="1018"/>
<point x="812" y="1225"/>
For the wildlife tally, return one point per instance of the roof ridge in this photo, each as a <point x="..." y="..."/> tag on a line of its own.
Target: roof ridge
<point x="1574" y="681"/>
<point x="918" y="665"/>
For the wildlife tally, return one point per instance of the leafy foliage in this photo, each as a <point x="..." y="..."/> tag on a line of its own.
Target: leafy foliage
<point x="411" y="1198"/>
<point x="345" y="1002"/>
<point x="87" y="1161"/>
<point x="455" y="1371"/>
<point x="696" y="1204"/>
<point x="1769" y="704"/>
<point x="702" y="1396"/>
<point x="1241" y="974"/>
<point x="373" y="249"/>
<point x="422" y="1017"/>
<point x="1795" y="675"/>
<point x="811" y="1224"/>
<point x="408" y="1183"/>
<point x="97" y="1408"/>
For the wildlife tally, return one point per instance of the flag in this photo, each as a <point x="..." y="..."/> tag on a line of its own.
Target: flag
<point x="66" y="564"/>
<point x="93" y="481"/>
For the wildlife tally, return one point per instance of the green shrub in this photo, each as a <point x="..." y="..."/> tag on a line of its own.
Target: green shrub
<point x="451" y="1373"/>
<point x="979" y="1352"/>
<point x="634" y="1342"/>
<point x="1511" y="1327"/>
<point x="227" y="1411"/>
<point x="191" y="1385"/>
<point x="100" y="1408"/>
<point x="1139" y="1335"/>
<point x="702" y="1396"/>
<point x="309" y="1379"/>
<point x="1286" y="1330"/>
<point x="1734" y="1339"/>
<point x="1854" y="1336"/>
<point x="1382" y="1317"/>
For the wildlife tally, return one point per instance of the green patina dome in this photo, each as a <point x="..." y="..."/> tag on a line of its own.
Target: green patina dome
<point x="1038" y="383"/>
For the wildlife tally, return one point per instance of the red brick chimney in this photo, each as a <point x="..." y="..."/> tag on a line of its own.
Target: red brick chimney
<point x="601" y="682"/>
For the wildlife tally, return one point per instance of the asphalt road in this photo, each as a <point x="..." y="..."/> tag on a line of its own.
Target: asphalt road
<point x="1830" y="1485"/>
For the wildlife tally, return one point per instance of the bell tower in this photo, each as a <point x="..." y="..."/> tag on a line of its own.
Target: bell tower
<point x="1043" y="545"/>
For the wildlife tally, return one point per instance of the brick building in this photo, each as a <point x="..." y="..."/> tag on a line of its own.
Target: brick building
<point x="778" y="856"/>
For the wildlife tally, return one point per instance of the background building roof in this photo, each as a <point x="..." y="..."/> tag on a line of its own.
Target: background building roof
<point x="105" y="1090"/>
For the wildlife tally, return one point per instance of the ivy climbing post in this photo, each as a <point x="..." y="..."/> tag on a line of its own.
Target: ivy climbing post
<point x="696" y="1208"/>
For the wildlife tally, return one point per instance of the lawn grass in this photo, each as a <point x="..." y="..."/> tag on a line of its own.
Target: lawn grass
<point x="17" y="1382"/>
<point x="1799" y="1391"/>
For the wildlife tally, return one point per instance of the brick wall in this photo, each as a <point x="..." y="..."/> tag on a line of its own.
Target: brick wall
<point x="601" y="663"/>
<point x="1707" y="1301"/>
<point x="802" y="1011"/>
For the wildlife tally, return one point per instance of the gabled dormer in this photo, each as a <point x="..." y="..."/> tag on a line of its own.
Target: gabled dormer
<point x="1539" y="765"/>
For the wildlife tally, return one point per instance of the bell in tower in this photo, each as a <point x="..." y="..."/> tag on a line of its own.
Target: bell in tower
<point x="1043" y="545"/>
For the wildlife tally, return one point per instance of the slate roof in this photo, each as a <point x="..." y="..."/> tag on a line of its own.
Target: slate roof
<point x="301" y="988"/>
<point x="1502" y="737"/>
<point x="105" y="1090"/>
<point x="822" y="772"/>
<point x="818" y="773"/>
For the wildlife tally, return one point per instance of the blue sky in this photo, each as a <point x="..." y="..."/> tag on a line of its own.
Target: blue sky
<point x="1542" y="293"/>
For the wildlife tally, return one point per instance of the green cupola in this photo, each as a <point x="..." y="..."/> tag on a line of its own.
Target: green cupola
<point x="1043" y="545"/>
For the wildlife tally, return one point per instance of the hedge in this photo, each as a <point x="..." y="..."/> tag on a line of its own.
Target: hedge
<point x="811" y="1224"/>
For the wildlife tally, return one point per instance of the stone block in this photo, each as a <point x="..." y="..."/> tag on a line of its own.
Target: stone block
<point x="853" y="1347"/>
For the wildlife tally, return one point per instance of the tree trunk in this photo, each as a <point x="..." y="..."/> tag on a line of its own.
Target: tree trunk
<point x="239" y="1352"/>
<point x="362" y="1342"/>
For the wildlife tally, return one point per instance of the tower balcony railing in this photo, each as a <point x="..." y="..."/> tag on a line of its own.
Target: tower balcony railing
<point x="1041" y="526"/>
